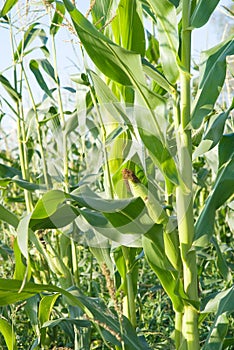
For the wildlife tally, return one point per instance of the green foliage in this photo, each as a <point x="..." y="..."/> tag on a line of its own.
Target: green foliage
<point x="92" y="258"/>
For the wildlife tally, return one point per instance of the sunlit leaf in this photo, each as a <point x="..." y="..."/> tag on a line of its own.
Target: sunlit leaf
<point x="58" y="17"/>
<point x="7" y="6"/>
<point x="8" y="333"/>
<point x="128" y="26"/>
<point x="167" y="37"/>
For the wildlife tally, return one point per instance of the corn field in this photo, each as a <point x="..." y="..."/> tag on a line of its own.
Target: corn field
<point x="117" y="181"/>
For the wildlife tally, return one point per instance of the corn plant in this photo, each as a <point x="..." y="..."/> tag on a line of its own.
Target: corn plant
<point x="144" y="196"/>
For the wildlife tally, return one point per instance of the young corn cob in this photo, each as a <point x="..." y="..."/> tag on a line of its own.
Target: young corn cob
<point x="155" y="210"/>
<point x="157" y="214"/>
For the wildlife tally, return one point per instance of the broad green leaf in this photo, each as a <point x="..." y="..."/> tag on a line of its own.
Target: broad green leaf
<point x="202" y="12"/>
<point x="8" y="87"/>
<point x="129" y="27"/>
<point x="58" y="17"/>
<point x="213" y="134"/>
<point x="212" y="76"/>
<point x="47" y="205"/>
<point x="63" y="216"/>
<point x="155" y="254"/>
<point x="45" y="308"/>
<point x="223" y="189"/>
<point x="34" y="66"/>
<point x="9" y="217"/>
<point x="152" y="52"/>
<point x="167" y="36"/>
<point x="7" y="6"/>
<point x="8" y="333"/>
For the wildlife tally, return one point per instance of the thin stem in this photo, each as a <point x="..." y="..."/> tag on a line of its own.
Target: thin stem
<point x="61" y="112"/>
<point x="21" y="132"/>
<point x="39" y="132"/>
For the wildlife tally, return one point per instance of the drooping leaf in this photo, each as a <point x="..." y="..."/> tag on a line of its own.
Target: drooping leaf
<point x="8" y="87"/>
<point x="34" y="66"/>
<point x="212" y="76"/>
<point x="58" y="17"/>
<point x="223" y="189"/>
<point x="109" y="100"/>
<point x="202" y="12"/>
<point x="167" y="36"/>
<point x="158" y="77"/>
<point x="153" y="246"/>
<point x="115" y="62"/>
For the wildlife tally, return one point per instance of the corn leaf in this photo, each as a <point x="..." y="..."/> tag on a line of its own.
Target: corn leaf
<point x="9" y="217"/>
<point x="7" y="7"/>
<point x="29" y="36"/>
<point x="223" y="189"/>
<point x="202" y="12"/>
<point x="129" y="27"/>
<point x="34" y="66"/>
<point x="153" y="246"/>
<point x="10" y="90"/>
<point x="8" y="333"/>
<point x="114" y="61"/>
<point x="212" y="76"/>
<point x="148" y="130"/>
<point x="58" y="18"/>
<point x="167" y="36"/>
<point x="214" y="133"/>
